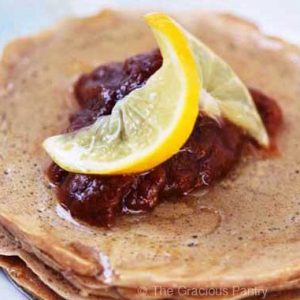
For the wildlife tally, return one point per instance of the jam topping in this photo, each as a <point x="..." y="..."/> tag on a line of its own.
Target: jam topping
<point x="211" y="151"/>
<point x="98" y="92"/>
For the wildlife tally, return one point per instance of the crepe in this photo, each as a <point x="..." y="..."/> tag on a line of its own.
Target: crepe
<point x="18" y="271"/>
<point x="33" y="274"/>
<point x="243" y="232"/>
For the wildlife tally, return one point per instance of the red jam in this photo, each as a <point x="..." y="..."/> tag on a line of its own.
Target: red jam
<point x="209" y="154"/>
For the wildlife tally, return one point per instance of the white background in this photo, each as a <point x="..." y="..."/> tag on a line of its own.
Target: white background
<point x="21" y="17"/>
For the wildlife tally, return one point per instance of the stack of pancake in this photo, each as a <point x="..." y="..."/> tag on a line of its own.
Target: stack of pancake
<point x="240" y="239"/>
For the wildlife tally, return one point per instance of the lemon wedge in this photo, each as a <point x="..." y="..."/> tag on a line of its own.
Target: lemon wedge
<point x="223" y="94"/>
<point x="147" y="126"/>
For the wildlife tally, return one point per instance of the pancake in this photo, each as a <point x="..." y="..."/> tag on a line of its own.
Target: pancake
<point x="18" y="271"/>
<point x="34" y="283"/>
<point x="41" y="281"/>
<point x="247" y="226"/>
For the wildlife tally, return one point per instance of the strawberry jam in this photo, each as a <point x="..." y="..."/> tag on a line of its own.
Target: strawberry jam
<point x="210" y="153"/>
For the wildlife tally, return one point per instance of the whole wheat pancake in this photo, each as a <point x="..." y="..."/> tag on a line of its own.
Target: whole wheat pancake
<point x="40" y="281"/>
<point x="44" y="282"/>
<point x="247" y="227"/>
<point x="23" y="276"/>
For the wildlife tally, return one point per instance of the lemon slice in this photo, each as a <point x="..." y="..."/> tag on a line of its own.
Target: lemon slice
<point x="223" y="94"/>
<point x="147" y="126"/>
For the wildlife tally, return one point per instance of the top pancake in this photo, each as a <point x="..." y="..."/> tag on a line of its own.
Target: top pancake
<point x="247" y="227"/>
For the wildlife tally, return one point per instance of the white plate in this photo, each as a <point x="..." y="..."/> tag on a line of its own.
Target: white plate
<point x="8" y="290"/>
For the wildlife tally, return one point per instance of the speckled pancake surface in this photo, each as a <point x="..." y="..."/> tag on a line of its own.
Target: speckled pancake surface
<point x="244" y="231"/>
